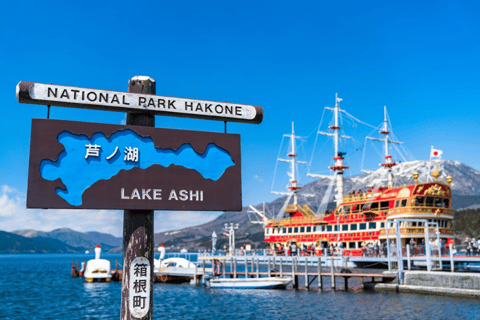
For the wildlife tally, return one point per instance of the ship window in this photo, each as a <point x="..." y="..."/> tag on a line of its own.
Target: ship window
<point x="302" y="229"/>
<point x="355" y="209"/>
<point x="372" y="225"/>
<point x="374" y="206"/>
<point x="352" y="245"/>
<point x="284" y="230"/>
<point x="323" y="228"/>
<point x="329" y="228"/>
<point x="314" y="228"/>
<point x="289" y="230"/>
<point x="419" y="201"/>
<point x="309" y="229"/>
<point x="445" y="203"/>
<point x="384" y="205"/>
<point x="353" y="227"/>
<point x="363" y="226"/>
<point x="336" y="228"/>
<point x="295" y="230"/>
<point x="382" y="225"/>
<point x="429" y="202"/>
<point x="404" y="203"/>
<point x="414" y="224"/>
<point x="438" y="202"/>
<point x="345" y="227"/>
<point x="396" y="204"/>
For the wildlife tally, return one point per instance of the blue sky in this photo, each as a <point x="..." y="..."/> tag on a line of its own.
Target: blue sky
<point x="420" y="59"/>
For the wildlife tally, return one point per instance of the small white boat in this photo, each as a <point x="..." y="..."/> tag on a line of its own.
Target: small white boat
<point x="98" y="270"/>
<point x="250" y="283"/>
<point x="174" y="270"/>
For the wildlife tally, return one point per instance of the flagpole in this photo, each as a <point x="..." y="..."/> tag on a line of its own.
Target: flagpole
<point x="431" y="151"/>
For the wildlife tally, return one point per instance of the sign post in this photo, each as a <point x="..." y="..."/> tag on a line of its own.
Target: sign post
<point x="136" y="168"/>
<point x="137" y="298"/>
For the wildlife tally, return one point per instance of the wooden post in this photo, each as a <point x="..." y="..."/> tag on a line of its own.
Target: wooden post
<point x="204" y="272"/>
<point x="224" y="268"/>
<point x="269" y="270"/>
<point x="281" y="266"/>
<point x="234" y="268"/>
<point x="320" y="283"/>
<point x="306" y="274"/>
<point x="408" y="256"/>
<point x="195" y="276"/>
<point x="138" y="224"/>
<point x="252" y="266"/>
<point x="452" y="264"/>
<point x="333" y="275"/>
<point x="295" y="269"/>
<point x="293" y="273"/>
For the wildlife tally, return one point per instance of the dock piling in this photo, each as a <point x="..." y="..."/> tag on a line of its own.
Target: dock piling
<point x="333" y="274"/>
<point x="269" y="270"/>
<point x="307" y="284"/>
<point x="234" y="268"/>
<point x="320" y="284"/>
<point x="281" y="266"/>
<point x="258" y="267"/>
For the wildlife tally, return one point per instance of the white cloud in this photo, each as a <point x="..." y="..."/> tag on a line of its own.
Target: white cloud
<point x="174" y="220"/>
<point x="15" y="216"/>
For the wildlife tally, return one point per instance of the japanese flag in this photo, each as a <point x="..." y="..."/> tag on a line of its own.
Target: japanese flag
<point x="436" y="153"/>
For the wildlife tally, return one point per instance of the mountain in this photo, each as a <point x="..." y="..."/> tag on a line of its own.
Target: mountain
<point x="465" y="191"/>
<point x="14" y="243"/>
<point x="75" y="239"/>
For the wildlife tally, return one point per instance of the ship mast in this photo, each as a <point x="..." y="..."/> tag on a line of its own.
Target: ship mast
<point x="339" y="166"/>
<point x="293" y="163"/>
<point x="388" y="164"/>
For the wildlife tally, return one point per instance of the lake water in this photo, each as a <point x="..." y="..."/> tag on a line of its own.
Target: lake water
<point x="39" y="286"/>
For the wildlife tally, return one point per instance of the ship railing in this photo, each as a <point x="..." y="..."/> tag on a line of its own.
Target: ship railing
<point x="417" y="231"/>
<point x="421" y="210"/>
<point x="285" y="221"/>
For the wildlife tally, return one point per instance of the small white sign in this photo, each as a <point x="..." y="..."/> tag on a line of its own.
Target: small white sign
<point x="139" y="292"/>
<point x="40" y="93"/>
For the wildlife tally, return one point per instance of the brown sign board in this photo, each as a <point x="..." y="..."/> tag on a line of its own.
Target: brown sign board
<point x="80" y="165"/>
<point x="86" y="98"/>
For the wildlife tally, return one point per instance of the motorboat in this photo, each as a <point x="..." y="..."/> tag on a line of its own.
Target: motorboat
<point x="250" y="283"/>
<point x="174" y="270"/>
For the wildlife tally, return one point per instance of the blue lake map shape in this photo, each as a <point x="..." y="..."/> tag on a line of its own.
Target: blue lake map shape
<point x="78" y="173"/>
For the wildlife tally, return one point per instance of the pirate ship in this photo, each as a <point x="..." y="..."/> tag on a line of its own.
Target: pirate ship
<point x="360" y="217"/>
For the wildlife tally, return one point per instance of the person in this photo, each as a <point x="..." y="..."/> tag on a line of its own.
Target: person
<point x="312" y="249"/>
<point x="376" y="249"/>
<point x="364" y="249"/>
<point x="413" y="244"/>
<point x="241" y="250"/>
<point x="385" y="250"/>
<point x="294" y="249"/>
<point x="474" y="246"/>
